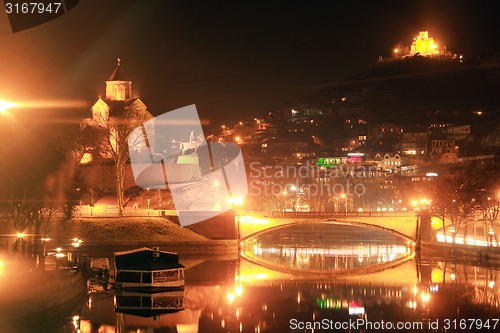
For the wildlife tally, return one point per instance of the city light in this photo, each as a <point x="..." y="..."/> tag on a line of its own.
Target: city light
<point x="230" y="297"/>
<point x="238" y="290"/>
<point x="4" y="106"/>
<point x="76" y="242"/>
<point x="235" y="201"/>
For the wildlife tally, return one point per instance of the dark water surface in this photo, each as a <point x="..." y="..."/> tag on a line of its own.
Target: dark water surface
<point x="322" y="278"/>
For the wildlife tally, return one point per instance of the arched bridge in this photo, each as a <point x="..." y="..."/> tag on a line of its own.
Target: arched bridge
<point x="256" y="224"/>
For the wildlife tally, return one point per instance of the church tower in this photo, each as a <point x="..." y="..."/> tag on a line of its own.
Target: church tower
<point x="118" y="86"/>
<point x="118" y="102"/>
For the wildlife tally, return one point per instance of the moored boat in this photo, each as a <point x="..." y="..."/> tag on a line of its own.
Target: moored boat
<point x="148" y="270"/>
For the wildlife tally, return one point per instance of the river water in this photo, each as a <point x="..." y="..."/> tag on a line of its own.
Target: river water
<point x="313" y="278"/>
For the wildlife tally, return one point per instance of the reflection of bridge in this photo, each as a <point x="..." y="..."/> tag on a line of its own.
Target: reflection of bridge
<point x="402" y="225"/>
<point x="404" y="274"/>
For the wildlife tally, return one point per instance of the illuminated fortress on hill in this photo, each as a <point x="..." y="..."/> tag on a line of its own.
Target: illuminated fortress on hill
<point x="424" y="45"/>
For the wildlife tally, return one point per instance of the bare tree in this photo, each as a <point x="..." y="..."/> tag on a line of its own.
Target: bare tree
<point x="450" y="203"/>
<point x="33" y="210"/>
<point x="112" y="132"/>
<point x="490" y="209"/>
<point x="460" y="195"/>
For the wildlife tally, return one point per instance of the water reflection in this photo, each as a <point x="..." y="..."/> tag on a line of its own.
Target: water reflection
<point x="246" y="296"/>
<point x="148" y="304"/>
<point x="326" y="248"/>
<point x="442" y="291"/>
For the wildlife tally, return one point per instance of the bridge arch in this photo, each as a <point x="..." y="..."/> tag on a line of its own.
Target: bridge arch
<point x="405" y="227"/>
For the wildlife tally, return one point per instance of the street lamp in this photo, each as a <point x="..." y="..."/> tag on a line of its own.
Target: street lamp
<point x="452" y="231"/>
<point x="4" y="105"/>
<point x="345" y="197"/>
<point x="235" y="202"/>
<point x="293" y="188"/>
<point x="20" y="241"/>
<point x="491" y="233"/>
<point x="59" y="255"/>
<point x="76" y="244"/>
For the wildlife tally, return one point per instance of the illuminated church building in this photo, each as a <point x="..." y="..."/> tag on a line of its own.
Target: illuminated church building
<point x="119" y="104"/>
<point x="118" y="101"/>
<point x="424" y="45"/>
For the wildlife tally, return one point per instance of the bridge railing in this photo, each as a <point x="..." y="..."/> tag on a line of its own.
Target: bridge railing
<point x="342" y="214"/>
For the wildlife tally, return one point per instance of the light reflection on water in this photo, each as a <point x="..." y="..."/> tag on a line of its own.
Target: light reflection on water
<point x="243" y="296"/>
<point x="326" y="248"/>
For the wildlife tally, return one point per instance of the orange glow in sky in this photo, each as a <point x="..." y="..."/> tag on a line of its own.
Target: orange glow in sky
<point x="52" y="104"/>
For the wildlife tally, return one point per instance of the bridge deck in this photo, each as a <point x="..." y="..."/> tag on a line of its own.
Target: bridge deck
<point x="252" y="225"/>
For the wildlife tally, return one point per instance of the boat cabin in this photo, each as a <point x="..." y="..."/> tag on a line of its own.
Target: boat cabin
<point x="147" y="269"/>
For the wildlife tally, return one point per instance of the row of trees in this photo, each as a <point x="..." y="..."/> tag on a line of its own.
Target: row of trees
<point x="466" y="196"/>
<point x="36" y="176"/>
<point x="40" y="175"/>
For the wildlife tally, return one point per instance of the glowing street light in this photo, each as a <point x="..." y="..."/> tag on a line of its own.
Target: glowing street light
<point x="236" y="202"/>
<point x="230" y="297"/>
<point x="76" y="242"/>
<point x="4" y="105"/>
<point x="343" y="196"/>
<point x="453" y="233"/>
<point x="491" y="233"/>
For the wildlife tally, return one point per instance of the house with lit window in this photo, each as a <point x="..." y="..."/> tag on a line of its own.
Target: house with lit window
<point x="388" y="161"/>
<point x="458" y="132"/>
<point x="439" y="147"/>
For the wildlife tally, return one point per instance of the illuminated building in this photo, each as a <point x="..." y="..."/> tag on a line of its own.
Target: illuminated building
<point x="118" y="106"/>
<point x="458" y="132"/>
<point x="118" y="101"/>
<point x="424" y="45"/>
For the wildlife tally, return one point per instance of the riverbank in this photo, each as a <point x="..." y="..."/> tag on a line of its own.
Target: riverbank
<point x="474" y="255"/>
<point x="29" y="295"/>
<point x="131" y="229"/>
<point x="121" y="233"/>
<point x="104" y="235"/>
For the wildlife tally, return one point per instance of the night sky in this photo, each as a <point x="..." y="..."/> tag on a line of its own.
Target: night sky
<point x="233" y="59"/>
